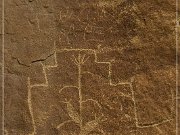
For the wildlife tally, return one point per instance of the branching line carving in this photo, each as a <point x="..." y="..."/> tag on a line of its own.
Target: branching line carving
<point x="96" y="61"/>
<point x="75" y="117"/>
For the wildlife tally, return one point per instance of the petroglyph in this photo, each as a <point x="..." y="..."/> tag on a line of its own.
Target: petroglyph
<point x="75" y="116"/>
<point x="93" y="67"/>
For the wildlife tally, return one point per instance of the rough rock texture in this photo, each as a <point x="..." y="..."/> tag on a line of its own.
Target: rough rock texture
<point x="90" y="67"/>
<point x="1" y="68"/>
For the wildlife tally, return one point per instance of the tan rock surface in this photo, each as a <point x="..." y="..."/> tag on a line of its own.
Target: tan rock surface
<point x="90" y="67"/>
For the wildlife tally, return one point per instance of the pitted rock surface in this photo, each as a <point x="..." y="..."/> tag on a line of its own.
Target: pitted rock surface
<point x="90" y="67"/>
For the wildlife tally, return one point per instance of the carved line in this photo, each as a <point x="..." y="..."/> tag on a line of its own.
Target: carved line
<point x="55" y="60"/>
<point x="38" y="85"/>
<point x="62" y="124"/>
<point x="30" y="107"/>
<point x="119" y="83"/>
<point x="135" y="108"/>
<point x="135" y="112"/>
<point x="110" y="82"/>
<point x="159" y="130"/>
<point x="79" y="64"/>
<point x="44" y="72"/>
<point x="95" y="101"/>
<point x="68" y="86"/>
<point x="154" y="124"/>
<point x="79" y="61"/>
<point x="96" y="61"/>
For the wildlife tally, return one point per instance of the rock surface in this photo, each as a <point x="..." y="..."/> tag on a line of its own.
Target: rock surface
<point x="90" y="67"/>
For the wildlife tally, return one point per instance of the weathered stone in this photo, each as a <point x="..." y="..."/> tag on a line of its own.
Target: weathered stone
<point x="90" y="67"/>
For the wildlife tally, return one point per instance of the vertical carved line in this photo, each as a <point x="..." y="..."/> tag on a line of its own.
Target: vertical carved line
<point x="30" y="107"/>
<point x="79" y="87"/>
<point x="135" y="108"/>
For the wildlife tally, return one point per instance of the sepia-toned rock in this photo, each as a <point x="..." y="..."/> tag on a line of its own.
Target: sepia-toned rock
<point x="90" y="67"/>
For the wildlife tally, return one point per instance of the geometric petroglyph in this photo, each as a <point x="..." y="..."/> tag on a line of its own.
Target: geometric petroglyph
<point x="112" y="71"/>
<point x="75" y="86"/>
<point x="90" y="67"/>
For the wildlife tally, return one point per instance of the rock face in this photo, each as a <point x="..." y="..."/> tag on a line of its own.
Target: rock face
<point x="90" y="67"/>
